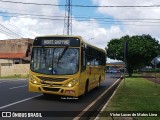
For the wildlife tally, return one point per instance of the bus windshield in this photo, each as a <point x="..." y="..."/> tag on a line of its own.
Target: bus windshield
<point x="55" y="61"/>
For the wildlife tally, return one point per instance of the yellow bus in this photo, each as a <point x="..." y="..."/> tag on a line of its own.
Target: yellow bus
<point x="65" y="65"/>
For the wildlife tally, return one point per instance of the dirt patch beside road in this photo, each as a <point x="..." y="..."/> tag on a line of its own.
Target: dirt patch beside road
<point x="151" y="77"/>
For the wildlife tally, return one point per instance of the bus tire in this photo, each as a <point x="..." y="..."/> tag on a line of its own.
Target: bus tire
<point x="99" y="82"/>
<point x="46" y="95"/>
<point x="86" y="87"/>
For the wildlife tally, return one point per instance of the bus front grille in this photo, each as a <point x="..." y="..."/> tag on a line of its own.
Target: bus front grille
<point x="51" y="84"/>
<point x="51" y="89"/>
<point x="51" y="79"/>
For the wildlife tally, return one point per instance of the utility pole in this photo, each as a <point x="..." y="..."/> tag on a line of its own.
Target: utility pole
<point x="68" y="18"/>
<point x="125" y="58"/>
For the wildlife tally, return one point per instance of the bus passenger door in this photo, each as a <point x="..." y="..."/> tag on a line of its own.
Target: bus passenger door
<point x="83" y="75"/>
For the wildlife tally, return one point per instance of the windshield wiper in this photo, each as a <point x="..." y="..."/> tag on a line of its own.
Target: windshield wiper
<point x="43" y="53"/>
<point x="60" y="57"/>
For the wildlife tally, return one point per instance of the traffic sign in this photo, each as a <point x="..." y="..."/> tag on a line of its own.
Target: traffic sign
<point x="155" y="61"/>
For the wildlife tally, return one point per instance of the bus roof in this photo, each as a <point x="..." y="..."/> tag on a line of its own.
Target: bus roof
<point x="82" y="40"/>
<point x="59" y="36"/>
<point x="94" y="46"/>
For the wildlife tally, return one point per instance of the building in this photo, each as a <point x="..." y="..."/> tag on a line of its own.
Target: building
<point x="115" y="66"/>
<point x="15" y="51"/>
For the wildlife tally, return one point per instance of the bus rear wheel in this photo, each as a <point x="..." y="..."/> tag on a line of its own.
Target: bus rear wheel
<point x="86" y="87"/>
<point x="46" y="95"/>
<point x="99" y="82"/>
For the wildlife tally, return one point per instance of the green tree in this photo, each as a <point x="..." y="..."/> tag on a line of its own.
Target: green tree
<point x="141" y="50"/>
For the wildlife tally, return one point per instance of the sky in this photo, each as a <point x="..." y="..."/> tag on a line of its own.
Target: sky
<point x="97" y="25"/>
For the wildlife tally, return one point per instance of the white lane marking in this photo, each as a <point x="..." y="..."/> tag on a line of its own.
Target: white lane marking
<point x="11" y="80"/>
<point x="89" y="106"/>
<point x="17" y="87"/>
<point x="5" y="106"/>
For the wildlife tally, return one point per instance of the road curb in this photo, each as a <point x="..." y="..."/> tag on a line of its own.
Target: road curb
<point x="93" y="109"/>
<point x="98" y="116"/>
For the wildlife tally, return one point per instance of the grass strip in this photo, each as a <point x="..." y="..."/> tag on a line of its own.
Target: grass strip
<point x="138" y="94"/>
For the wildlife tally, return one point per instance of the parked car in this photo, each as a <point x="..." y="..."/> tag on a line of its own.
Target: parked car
<point x="114" y="71"/>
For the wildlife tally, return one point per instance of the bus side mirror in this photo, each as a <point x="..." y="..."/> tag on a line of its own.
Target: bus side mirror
<point x="84" y="47"/>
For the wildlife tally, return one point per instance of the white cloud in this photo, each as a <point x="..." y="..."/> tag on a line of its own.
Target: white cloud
<point x="92" y="31"/>
<point x="25" y="25"/>
<point x="32" y="8"/>
<point x="135" y="27"/>
<point x="3" y="36"/>
<point x="29" y="27"/>
<point x="124" y="12"/>
<point x="101" y="36"/>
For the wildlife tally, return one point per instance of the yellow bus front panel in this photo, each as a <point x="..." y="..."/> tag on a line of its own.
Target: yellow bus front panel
<point x="68" y="87"/>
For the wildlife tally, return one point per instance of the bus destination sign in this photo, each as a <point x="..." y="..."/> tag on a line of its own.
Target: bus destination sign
<point x="56" y="42"/>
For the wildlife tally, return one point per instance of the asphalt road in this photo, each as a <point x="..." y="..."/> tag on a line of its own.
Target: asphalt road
<point x="14" y="96"/>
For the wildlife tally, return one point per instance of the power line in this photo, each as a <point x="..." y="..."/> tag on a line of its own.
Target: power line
<point x="94" y="17"/>
<point x="78" y="17"/>
<point x="88" y="6"/>
<point x="32" y="17"/>
<point x="7" y="9"/>
<point x="30" y="14"/>
<point x="116" y="6"/>
<point x="9" y="31"/>
<point x="102" y="21"/>
<point x="13" y="34"/>
<point x="30" y="3"/>
<point x="69" y="18"/>
<point x="105" y="19"/>
<point x="15" y="27"/>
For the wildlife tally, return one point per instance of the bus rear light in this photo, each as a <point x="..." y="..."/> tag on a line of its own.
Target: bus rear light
<point x="70" y="91"/>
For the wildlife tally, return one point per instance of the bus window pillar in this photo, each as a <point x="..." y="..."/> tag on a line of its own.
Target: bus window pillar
<point x="83" y="59"/>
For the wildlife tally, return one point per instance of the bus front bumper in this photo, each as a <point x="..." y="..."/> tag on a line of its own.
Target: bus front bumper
<point x="64" y="91"/>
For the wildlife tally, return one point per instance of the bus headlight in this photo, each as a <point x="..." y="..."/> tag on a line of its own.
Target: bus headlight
<point x="33" y="80"/>
<point x="71" y="83"/>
